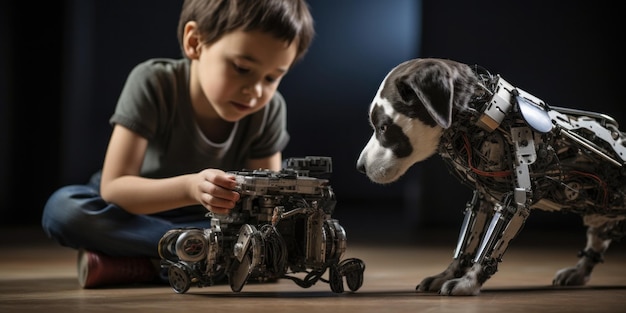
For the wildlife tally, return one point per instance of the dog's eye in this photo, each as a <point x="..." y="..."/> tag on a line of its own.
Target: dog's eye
<point x="382" y="128"/>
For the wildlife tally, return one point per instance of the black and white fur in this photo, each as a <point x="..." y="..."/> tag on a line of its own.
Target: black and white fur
<point x="424" y="105"/>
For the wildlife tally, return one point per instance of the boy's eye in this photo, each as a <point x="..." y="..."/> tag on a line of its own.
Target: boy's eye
<point x="240" y="69"/>
<point x="245" y="70"/>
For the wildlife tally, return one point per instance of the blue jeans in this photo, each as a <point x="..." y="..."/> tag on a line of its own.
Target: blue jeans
<point x="76" y="216"/>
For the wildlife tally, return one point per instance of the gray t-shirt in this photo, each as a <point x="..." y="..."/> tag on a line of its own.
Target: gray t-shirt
<point x="155" y="104"/>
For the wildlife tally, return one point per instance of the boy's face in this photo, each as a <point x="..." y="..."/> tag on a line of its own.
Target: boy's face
<point x="239" y="73"/>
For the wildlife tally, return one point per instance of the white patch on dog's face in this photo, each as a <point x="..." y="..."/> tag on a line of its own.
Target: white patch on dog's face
<point x="398" y="141"/>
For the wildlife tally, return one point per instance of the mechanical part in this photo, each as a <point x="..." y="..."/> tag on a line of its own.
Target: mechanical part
<point x="191" y="245"/>
<point x="167" y="250"/>
<point x="606" y="140"/>
<point x="179" y="278"/>
<point x="468" y="224"/>
<point x="247" y="252"/>
<point x="335" y="279"/>
<point x="240" y="271"/>
<point x="213" y="239"/>
<point x="337" y="238"/>
<point x="584" y="143"/>
<point x="524" y="147"/>
<point x="353" y="270"/>
<point x="518" y="154"/>
<point x="571" y="191"/>
<point x="498" y="107"/>
<point x="281" y="225"/>
<point x="533" y="110"/>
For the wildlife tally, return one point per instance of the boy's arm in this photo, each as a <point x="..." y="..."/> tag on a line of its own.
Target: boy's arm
<point x="122" y="185"/>
<point x="272" y="163"/>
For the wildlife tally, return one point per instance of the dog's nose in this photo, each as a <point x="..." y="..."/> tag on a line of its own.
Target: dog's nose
<point x="360" y="167"/>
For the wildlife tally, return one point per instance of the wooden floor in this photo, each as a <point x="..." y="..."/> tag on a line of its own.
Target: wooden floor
<point x="37" y="275"/>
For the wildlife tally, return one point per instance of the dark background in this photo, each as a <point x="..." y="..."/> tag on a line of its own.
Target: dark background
<point x="63" y="64"/>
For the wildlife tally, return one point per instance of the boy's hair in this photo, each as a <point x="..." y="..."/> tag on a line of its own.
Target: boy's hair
<point x="287" y="20"/>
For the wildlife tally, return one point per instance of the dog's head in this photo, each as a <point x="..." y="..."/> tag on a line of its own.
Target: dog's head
<point x="413" y="105"/>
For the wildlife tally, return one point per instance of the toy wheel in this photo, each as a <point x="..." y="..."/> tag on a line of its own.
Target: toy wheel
<point x="335" y="280"/>
<point x="179" y="279"/>
<point x="353" y="270"/>
<point x="167" y="243"/>
<point x="240" y="273"/>
<point x="248" y="253"/>
<point x="191" y="245"/>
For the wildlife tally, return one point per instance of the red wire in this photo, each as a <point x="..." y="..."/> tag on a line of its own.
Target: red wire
<point x="477" y="171"/>
<point x="507" y="173"/>
<point x="599" y="180"/>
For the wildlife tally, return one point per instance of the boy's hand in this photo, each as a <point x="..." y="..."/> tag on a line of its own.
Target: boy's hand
<point x="213" y="188"/>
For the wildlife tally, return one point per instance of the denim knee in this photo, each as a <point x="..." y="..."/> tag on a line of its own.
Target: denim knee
<point x="63" y="210"/>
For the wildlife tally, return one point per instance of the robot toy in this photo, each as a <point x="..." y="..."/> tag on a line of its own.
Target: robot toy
<point x="281" y="226"/>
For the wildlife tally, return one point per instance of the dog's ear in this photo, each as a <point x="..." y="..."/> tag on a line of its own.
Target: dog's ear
<point x="438" y="85"/>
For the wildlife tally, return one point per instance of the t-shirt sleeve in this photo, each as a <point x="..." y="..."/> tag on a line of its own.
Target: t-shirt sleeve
<point x="139" y="103"/>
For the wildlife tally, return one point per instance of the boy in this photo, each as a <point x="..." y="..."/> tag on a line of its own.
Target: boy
<point x="177" y="127"/>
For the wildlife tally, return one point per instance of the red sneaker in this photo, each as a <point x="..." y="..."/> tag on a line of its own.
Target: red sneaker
<point x="96" y="269"/>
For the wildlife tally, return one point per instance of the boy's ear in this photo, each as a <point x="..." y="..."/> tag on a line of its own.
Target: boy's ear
<point x="191" y="40"/>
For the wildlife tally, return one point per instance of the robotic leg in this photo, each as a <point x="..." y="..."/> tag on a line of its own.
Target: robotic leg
<point x="477" y="214"/>
<point x="506" y="220"/>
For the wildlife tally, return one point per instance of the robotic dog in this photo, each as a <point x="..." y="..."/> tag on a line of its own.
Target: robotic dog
<point x="516" y="153"/>
<point x="282" y="225"/>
